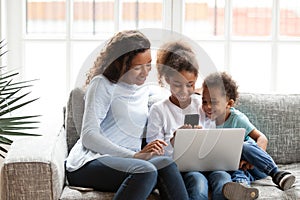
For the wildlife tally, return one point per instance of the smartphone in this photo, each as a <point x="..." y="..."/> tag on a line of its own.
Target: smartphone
<point x="192" y="119"/>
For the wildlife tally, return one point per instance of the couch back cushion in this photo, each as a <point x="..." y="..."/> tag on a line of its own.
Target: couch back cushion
<point x="75" y="108"/>
<point x="278" y="117"/>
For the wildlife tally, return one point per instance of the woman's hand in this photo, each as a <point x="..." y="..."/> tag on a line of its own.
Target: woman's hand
<point x="153" y="148"/>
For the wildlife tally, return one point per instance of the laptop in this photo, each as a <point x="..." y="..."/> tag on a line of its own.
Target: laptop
<point x="208" y="149"/>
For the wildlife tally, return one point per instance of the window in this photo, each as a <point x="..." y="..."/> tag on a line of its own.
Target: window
<point x="256" y="41"/>
<point x="250" y="39"/>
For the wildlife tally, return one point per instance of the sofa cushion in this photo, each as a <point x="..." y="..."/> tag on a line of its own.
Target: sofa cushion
<point x="268" y="190"/>
<point x="75" y="108"/>
<point x="71" y="194"/>
<point x="278" y="117"/>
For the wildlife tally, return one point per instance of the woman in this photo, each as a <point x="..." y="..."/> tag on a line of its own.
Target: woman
<point x="108" y="155"/>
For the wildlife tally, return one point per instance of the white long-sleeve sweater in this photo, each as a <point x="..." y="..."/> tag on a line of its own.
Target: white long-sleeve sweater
<point x="113" y="122"/>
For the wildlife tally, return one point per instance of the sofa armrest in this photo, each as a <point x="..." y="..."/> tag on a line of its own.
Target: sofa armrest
<point x="34" y="168"/>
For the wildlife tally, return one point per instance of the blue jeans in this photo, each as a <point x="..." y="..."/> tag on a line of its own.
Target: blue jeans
<point x="131" y="178"/>
<point x="263" y="163"/>
<point x="197" y="184"/>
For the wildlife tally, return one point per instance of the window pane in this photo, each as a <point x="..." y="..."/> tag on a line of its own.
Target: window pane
<point x="251" y="66"/>
<point x="93" y="17"/>
<point x="251" y="18"/>
<point x="45" y="16"/>
<point x="288" y="68"/>
<point x="138" y="14"/>
<point x="290" y="18"/>
<point x="204" y="18"/>
<point x="216" y="52"/>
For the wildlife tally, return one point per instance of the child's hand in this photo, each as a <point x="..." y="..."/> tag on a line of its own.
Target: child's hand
<point x="188" y="126"/>
<point x="244" y="165"/>
<point x="198" y="127"/>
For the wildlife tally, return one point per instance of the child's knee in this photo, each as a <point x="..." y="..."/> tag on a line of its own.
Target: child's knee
<point x="220" y="175"/>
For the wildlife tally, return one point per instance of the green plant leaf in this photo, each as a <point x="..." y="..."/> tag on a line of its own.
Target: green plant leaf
<point x="8" y="74"/>
<point x="15" y="133"/>
<point x="5" y="97"/>
<point x="3" y="53"/>
<point x="8" y="89"/>
<point x="23" y="83"/>
<point x="3" y="119"/>
<point x="17" y="123"/>
<point x="16" y="107"/>
<point x="10" y="100"/>
<point x="17" y="128"/>
<point x="5" y="140"/>
<point x="3" y="149"/>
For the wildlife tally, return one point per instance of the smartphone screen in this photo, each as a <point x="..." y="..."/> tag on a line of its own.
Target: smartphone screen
<point x="192" y="119"/>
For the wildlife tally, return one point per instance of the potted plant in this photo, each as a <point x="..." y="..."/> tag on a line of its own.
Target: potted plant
<point x="12" y="98"/>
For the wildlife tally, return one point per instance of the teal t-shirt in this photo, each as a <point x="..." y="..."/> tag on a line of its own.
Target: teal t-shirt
<point x="238" y="119"/>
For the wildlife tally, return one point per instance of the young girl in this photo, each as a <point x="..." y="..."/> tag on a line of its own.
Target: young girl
<point x="108" y="155"/>
<point x="218" y="98"/>
<point x="177" y="66"/>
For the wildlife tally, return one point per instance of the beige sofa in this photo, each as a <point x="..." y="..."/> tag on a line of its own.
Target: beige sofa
<point x="34" y="167"/>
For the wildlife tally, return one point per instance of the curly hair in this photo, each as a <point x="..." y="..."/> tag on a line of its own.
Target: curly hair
<point x="175" y="57"/>
<point x="223" y="81"/>
<point x="115" y="58"/>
